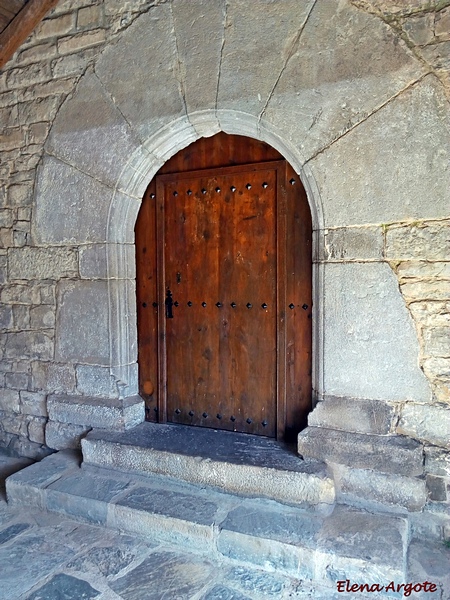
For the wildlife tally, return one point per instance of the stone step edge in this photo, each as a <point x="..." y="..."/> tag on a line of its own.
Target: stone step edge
<point x="291" y="487"/>
<point x="298" y="561"/>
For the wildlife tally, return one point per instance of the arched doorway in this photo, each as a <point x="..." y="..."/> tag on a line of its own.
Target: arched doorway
<point x="223" y="243"/>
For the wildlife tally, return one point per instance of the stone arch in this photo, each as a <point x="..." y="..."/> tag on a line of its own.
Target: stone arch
<point x="136" y="174"/>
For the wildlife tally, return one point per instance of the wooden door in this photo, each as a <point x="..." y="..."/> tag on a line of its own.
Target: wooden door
<point x="224" y="298"/>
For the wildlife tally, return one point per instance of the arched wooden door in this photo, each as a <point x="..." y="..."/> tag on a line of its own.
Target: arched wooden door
<point x="223" y="243"/>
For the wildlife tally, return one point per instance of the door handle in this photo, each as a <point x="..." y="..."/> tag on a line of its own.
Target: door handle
<point x="169" y="305"/>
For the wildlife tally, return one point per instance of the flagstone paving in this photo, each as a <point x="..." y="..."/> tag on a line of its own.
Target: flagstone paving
<point x="48" y="556"/>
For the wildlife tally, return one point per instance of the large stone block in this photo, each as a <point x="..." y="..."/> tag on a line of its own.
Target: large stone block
<point x="332" y="82"/>
<point x="53" y="377"/>
<point x="71" y="207"/>
<point x="96" y="381"/>
<point x="437" y="341"/>
<point x="26" y="76"/>
<point x="36" y="430"/>
<point x="143" y="62"/>
<point x="386" y="454"/>
<point x="360" y="546"/>
<point x="428" y="561"/>
<point x="60" y="436"/>
<point x="417" y="269"/>
<point x="363" y="488"/>
<point x="33" y="403"/>
<point x="353" y="414"/>
<point x="55" y="27"/>
<point x="42" y="317"/>
<point x="437" y="461"/>
<point x="20" y="194"/>
<point x="271" y="536"/>
<point x="82" y="328"/>
<point x="16" y="381"/>
<point x="426" y="290"/>
<point x="89" y="126"/>
<point x="418" y="242"/>
<point x="42" y="109"/>
<point x="94" y="264"/>
<point x="258" y="40"/>
<point x="9" y="400"/>
<point x="431" y="313"/>
<point x="199" y="35"/>
<point x="83" y="496"/>
<point x="6" y="317"/>
<point x="71" y="44"/>
<point x="371" y="347"/>
<point x="90" y="412"/>
<point x="353" y="243"/>
<point x="358" y="179"/>
<point x="41" y="263"/>
<point x="430" y="423"/>
<point x="32" y="345"/>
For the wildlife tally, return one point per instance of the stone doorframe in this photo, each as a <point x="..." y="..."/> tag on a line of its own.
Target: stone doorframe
<point x="126" y="201"/>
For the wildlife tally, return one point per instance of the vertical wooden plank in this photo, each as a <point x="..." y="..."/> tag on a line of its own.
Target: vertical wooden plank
<point x="191" y="273"/>
<point x="281" y="301"/>
<point x="146" y="296"/>
<point x="299" y="319"/>
<point x="160" y="265"/>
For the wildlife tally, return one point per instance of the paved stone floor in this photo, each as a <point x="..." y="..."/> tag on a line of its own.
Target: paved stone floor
<point x="48" y="557"/>
<point x="45" y="556"/>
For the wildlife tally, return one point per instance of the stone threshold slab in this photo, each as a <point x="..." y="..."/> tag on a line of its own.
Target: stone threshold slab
<point x="345" y="544"/>
<point x="238" y="463"/>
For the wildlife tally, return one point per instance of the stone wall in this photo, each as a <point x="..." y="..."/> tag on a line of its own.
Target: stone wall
<point x="353" y="93"/>
<point x="35" y="280"/>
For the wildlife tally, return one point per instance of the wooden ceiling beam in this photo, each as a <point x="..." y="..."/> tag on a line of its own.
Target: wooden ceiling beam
<point x="21" y="26"/>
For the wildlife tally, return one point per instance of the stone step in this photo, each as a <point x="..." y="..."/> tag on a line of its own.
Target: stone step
<point x="378" y="472"/>
<point x="345" y="544"/>
<point x="237" y="463"/>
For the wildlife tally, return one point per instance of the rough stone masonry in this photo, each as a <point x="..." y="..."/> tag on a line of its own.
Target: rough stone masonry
<point x="355" y="94"/>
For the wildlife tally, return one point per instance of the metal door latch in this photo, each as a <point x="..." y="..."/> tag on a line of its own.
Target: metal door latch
<point x="169" y="305"/>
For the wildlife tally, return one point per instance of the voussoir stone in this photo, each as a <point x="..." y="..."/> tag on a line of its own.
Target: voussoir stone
<point x="358" y="179"/>
<point x="141" y="62"/>
<point x="199" y="42"/>
<point x="258" y="40"/>
<point x="71" y="207"/>
<point x="89" y="126"/>
<point x="328" y="86"/>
